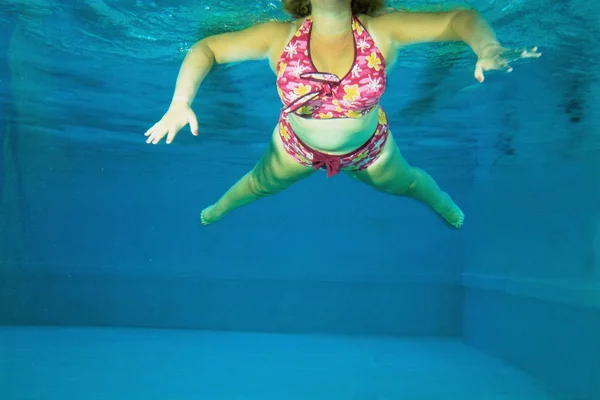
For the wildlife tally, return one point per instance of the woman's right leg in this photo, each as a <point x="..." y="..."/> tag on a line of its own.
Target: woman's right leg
<point x="275" y="171"/>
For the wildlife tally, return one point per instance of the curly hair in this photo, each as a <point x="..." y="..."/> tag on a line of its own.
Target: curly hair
<point x="302" y="8"/>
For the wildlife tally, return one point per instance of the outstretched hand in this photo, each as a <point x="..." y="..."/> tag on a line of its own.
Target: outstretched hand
<point x="499" y="58"/>
<point x="178" y="116"/>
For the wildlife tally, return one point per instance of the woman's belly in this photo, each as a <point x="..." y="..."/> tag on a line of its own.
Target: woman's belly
<point x="336" y="135"/>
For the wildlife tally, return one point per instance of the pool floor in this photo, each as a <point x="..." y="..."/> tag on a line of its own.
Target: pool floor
<point x="41" y="363"/>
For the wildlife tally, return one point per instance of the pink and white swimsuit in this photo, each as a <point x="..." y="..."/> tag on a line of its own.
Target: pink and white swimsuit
<point x="309" y="93"/>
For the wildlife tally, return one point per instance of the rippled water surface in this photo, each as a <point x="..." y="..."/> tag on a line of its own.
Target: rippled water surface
<point x="103" y="71"/>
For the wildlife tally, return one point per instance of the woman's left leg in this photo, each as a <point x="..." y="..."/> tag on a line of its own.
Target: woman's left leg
<point x="390" y="173"/>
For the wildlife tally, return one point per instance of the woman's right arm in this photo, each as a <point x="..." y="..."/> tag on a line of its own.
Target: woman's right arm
<point x="253" y="43"/>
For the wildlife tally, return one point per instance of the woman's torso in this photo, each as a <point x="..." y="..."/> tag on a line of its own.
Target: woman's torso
<point x="333" y="135"/>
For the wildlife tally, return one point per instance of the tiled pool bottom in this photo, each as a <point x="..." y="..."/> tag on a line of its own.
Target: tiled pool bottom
<point x="40" y="363"/>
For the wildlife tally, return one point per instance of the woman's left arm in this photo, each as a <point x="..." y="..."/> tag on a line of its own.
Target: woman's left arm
<point x="469" y="26"/>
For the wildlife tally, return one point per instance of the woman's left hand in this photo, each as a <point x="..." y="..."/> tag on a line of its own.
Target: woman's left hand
<point x="498" y="57"/>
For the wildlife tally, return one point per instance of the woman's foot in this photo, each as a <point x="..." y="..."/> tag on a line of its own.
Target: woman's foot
<point x="209" y="215"/>
<point x="450" y="212"/>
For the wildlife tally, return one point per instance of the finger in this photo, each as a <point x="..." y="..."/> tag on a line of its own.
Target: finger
<point x="193" y="121"/>
<point x="479" y="72"/>
<point x="159" y="137"/>
<point x="151" y="137"/>
<point x="530" y="54"/>
<point x="156" y="137"/>
<point x="149" y="131"/>
<point x="172" y="132"/>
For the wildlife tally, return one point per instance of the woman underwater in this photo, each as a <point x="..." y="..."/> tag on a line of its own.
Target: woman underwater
<point x="331" y="64"/>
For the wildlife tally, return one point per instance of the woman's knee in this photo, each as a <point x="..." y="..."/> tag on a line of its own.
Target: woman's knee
<point x="399" y="183"/>
<point x="259" y="184"/>
<point x="406" y="181"/>
<point x="268" y="180"/>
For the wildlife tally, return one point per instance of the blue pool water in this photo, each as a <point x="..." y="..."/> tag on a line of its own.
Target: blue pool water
<point x="111" y="289"/>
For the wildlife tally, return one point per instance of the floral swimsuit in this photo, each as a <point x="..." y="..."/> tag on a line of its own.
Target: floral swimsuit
<point x="309" y="93"/>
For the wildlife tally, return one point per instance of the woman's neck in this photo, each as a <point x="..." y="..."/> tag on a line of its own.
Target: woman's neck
<point x="331" y="18"/>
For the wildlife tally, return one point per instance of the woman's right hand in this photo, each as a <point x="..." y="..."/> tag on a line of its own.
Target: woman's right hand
<point x="177" y="116"/>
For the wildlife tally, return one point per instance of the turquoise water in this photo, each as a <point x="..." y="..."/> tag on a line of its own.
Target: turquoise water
<point x="99" y="232"/>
